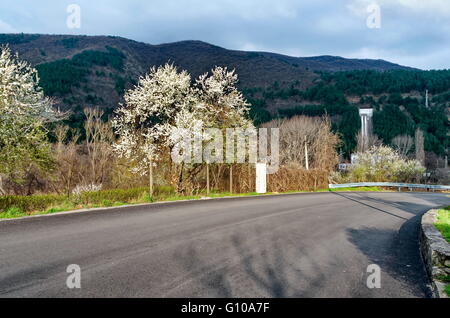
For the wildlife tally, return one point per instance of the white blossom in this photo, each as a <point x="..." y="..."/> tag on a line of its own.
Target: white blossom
<point x="80" y="189"/>
<point x="23" y="111"/>
<point x="165" y="105"/>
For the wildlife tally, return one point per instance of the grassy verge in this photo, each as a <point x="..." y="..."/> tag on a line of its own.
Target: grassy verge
<point x="443" y="223"/>
<point x="19" y="206"/>
<point x="445" y="279"/>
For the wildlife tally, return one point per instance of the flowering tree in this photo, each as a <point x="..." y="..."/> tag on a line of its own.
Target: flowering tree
<point x="226" y="106"/>
<point x="382" y="163"/>
<point x="166" y="105"/>
<point x="23" y="111"/>
<point x="142" y="122"/>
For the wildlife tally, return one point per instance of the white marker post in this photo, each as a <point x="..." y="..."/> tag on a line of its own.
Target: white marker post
<point x="261" y="178"/>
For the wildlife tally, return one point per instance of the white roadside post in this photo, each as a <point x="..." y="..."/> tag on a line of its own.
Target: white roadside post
<point x="261" y="178"/>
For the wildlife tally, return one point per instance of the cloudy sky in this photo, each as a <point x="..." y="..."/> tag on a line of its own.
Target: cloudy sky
<point x="412" y="32"/>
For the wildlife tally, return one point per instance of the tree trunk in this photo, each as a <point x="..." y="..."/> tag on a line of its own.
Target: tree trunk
<point x="2" y="191"/>
<point x="150" y="178"/>
<point x="231" y="178"/>
<point x="180" y="180"/>
<point x="250" y="180"/>
<point x="306" y="156"/>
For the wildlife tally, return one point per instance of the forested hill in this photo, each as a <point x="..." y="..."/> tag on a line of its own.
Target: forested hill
<point x="397" y="96"/>
<point x="84" y="71"/>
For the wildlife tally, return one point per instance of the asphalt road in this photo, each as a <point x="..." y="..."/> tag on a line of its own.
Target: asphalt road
<point x="306" y="245"/>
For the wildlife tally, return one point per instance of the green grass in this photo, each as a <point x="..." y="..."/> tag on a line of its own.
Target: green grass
<point x="19" y="206"/>
<point x="443" y="225"/>
<point x="443" y="222"/>
<point x="12" y="212"/>
<point x="444" y="278"/>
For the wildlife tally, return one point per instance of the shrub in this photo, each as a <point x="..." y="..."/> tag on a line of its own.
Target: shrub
<point x="384" y="164"/>
<point x="30" y="203"/>
<point x="79" y="189"/>
<point x="118" y="195"/>
<point x="288" y="179"/>
<point x="27" y="204"/>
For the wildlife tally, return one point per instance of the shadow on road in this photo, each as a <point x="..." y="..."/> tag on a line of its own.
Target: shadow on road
<point x="396" y="252"/>
<point x="269" y="271"/>
<point x="262" y="264"/>
<point x="404" y="205"/>
<point x="274" y="274"/>
<point x="367" y="205"/>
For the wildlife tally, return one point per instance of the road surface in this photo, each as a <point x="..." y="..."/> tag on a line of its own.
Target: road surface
<point x="301" y="245"/>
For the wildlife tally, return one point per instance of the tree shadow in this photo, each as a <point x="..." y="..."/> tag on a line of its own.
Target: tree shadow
<point x="396" y="252"/>
<point x="368" y="205"/>
<point x="267" y="268"/>
<point x="210" y="276"/>
<point x="270" y="266"/>
<point x="434" y="200"/>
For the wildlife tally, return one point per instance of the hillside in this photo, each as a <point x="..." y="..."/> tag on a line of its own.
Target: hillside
<point x="86" y="71"/>
<point x="95" y="70"/>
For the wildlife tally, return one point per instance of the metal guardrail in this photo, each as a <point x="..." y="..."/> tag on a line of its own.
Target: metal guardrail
<point x="390" y="184"/>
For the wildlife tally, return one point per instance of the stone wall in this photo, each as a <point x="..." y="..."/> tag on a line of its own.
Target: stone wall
<point x="435" y="252"/>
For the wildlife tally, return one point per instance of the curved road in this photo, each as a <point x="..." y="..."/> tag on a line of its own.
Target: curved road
<point x="300" y="245"/>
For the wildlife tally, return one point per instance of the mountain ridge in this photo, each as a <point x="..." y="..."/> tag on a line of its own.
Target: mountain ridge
<point x="102" y="85"/>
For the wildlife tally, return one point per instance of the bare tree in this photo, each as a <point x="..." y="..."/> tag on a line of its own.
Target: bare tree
<point x="420" y="148"/>
<point x="371" y="141"/>
<point x="99" y="138"/>
<point x="300" y="134"/>
<point x="403" y="144"/>
<point x="67" y="157"/>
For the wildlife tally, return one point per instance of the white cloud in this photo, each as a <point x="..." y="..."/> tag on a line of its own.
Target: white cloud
<point x="434" y="7"/>
<point x="426" y="61"/>
<point x="6" y="28"/>
<point x="250" y="46"/>
<point x="413" y="32"/>
<point x="437" y="7"/>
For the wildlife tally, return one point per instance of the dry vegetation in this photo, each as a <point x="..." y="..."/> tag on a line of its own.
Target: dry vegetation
<point x="307" y="154"/>
<point x="92" y="162"/>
